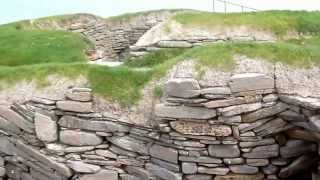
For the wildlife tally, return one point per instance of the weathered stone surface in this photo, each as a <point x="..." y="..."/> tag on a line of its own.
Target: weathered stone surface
<point x="184" y="112"/>
<point x="239" y="109"/>
<point x="78" y="138"/>
<point x="16" y="119"/>
<point x="174" y="44"/>
<point x="270" y="169"/>
<point x="263" y="152"/>
<point x="244" y="169"/>
<point x="259" y="176"/>
<point x="257" y="162"/>
<point x="213" y="171"/>
<point x="232" y="101"/>
<point x="74" y="106"/>
<point x="101" y="126"/>
<point x="9" y="127"/>
<point x="82" y="167"/>
<point x="294" y="148"/>
<point x="189" y="168"/>
<point x="198" y="177"/>
<point x="6" y="146"/>
<point x="197" y="129"/>
<point x="233" y="161"/>
<point x="102" y="175"/>
<point x="216" y="91"/>
<point x="303" y="135"/>
<point x="265" y="112"/>
<point x="164" y="153"/>
<point x="224" y="151"/>
<point x="166" y="165"/>
<point x="2" y="171"/>
<point x="270" y="98"/>
<point x="182" y="87"/>
<point x="272" y="127"/>
<point x="130" y="144"/>
<point x="314" y="121"/>
<point x="301" y="163"/>
<point x="250" y="81"/>
<point x="106" y="153"/>
<point x="79" y="94"/>
<point x="142" y="173"/>
<point x="309" y="103"/>
<point x="162" y="172"/>
<point x="292" y="116"/>
<point x="46" y="127"/>
<point x="30" y="153"/>
<point x="128" y="177"/>
<point x="201" y="159"/>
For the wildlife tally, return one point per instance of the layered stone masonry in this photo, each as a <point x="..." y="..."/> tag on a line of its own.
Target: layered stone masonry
<point x="244" y="130"/>
<point x="112" y="39"/>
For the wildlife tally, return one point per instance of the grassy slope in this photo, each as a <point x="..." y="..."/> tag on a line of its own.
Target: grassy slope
<point x="28" y="54"/>
<point x="279" y="22"/>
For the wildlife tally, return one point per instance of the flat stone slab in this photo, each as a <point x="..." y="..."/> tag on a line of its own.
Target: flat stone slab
<point x="244" y="169"/>
<point x="79" y="138"/>
<point x="164" y="153"/>
<point x="82" y="167"/>
<point x="294" y="148"/>
<point x="162" y="172"/>
<point x="231" y="176"/>
<point x="184" y="112"/>
<point x="265" y="112"/>
<point x="198" y="129"/>
<point x="232" y="101"/>
<point x="213" y="171"/>
<point x="239" y="109"/>
<point x="182" y="87"/>
<point x="15" y="118"/>
<point x="269" y="151"/>
<point x="307" y="102"/>
<point x="224" y="151"/>
<point x="75" y="106"/>
<point x="130" y="144"/>
<point x="250" y="82"/>
<point x="111" y="175"/>
<point x="99" y="126"/>
<point x="174" y="44"/>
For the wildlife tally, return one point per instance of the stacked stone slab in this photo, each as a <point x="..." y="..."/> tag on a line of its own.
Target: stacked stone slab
<point x="113" y="39"/>
<point x="244" y="130"/>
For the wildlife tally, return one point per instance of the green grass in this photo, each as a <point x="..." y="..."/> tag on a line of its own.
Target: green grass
<point x="279" y="22"/>
<point x="27" y="47"/>
<point x="27" y="53"/>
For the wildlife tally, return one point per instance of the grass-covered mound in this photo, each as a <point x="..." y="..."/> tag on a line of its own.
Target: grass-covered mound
<point x="279" y="22"/>
<point x="27" y="53"/>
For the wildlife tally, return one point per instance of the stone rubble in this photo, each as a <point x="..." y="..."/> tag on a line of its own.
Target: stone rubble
<point x="197" y="138"/>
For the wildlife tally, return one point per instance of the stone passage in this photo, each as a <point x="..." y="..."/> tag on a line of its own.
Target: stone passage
<point x="245" y="130"/>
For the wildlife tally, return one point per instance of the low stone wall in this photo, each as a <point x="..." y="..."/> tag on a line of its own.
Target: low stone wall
<point x="112" y="39"/>
<point x="244" y="130"/>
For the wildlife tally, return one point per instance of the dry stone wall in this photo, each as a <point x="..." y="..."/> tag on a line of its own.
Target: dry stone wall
<point x="113" y="38"/>
<point x="243" y="130"/>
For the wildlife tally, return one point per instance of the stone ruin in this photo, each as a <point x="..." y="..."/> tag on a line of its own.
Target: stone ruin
<point x="246" y="130"/>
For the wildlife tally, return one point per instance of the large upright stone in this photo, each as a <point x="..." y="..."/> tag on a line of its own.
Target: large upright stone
<point x="184" y="112"/>
<point x="16" y="119"/>
<point x="100" y="126"/>
<point x="224" y="151"/>
<point x="130" y="144"/>
<point x="269" y="151"/>
<point x="46" y="127"/>
<point x="182" y="87"/>
<point x="78" y="138"/>
<point x="250" y="82"/>
<point x="164" y="153"/>
<point x="198" y="129"/>
<point x="75" y="106"/>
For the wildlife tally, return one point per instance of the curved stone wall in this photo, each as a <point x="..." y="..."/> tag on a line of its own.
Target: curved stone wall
<point x="243" y="130"/>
